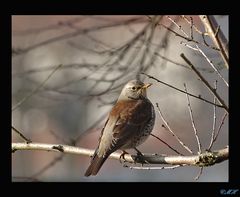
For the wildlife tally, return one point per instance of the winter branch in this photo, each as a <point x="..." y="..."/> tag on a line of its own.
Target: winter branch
<point x="205" y="159"/>
<point x="214" y="31"/>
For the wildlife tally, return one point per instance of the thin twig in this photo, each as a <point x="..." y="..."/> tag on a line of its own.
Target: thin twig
<point x="188" y="39"/>
<point x="72" y="141"/>
<point x="171" y="86"/>
<point x="79" y="32"/>
<point x="199" y="173"/>
<point x="97" y="122"/>
<point x="21" y="135"/>
<point x="152" y="168"/>
<point x="205" y="82"/>
<point x="197" y="30"/>
<point x="166" y="144"/>
<point x="178" y="26"/>
<point x="208" y="60"/>
<point x="36" y="89"/>
<point x="58" y="137"/>
<point x="214" y="120"/>
<point x="204" y="159"/>
<point x="220" y="126"/>
<point x="212" y="65"/>
<point x="48" y="166"/>
<point x="179" y="35"/>
<point x="60" y="24"/>
<point x="169" y="129"/>
<point x="190" y="23"/>
<point x="191" y="28"/>
<point x="189" y="46"/>
<point x="170" y="60"/>
<point x="193" y="122"/>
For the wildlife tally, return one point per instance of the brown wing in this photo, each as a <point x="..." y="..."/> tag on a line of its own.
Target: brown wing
<point x="132" y="120"/>
<point x="126" y="119"/>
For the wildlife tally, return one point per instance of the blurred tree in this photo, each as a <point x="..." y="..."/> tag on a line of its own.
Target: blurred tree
<point x="67" y="71"/>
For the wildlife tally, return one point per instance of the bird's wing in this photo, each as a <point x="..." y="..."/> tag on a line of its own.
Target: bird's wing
<point x="132" y="120"/>
<point x="125" y="120"/>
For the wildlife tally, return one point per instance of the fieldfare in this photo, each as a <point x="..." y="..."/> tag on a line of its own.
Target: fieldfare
<point x="130" y="122"/>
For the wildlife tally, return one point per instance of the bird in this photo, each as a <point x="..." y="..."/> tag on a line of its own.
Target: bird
<point x="129" y="124"/>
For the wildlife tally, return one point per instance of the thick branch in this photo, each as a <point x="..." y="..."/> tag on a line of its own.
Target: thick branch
<point x="204" y="159"/>
<point x="217" y="36"/>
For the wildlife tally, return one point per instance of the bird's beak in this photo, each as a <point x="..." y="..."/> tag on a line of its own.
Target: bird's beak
<point x="146" y="85"/>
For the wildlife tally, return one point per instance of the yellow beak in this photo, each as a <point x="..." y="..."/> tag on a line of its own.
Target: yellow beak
<point x="146" y="85"/>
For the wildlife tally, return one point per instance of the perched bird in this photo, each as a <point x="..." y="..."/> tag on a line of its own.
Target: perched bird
<point x="130" y="122"/>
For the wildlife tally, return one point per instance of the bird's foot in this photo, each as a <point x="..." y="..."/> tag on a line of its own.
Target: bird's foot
<point x="140" y="157"/>
<point x="122" y="158"/>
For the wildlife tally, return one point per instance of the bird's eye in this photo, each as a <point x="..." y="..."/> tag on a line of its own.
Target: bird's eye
<point x="135" y="88"/>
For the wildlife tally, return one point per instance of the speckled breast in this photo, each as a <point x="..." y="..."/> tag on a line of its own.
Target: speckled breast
<point x="143" y="134"/>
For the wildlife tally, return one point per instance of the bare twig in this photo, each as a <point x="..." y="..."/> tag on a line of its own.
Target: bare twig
<point x="198" y="97"/>
<point x="179" y="35"/>
<point x="208" y="60"/>
<point x="97" y="122"/>
<point x="166" y="144"/>
<point x="204" y="159"/>
<point x="178" y="63"/>
<point x="21" y="135"/>
<point x="214" y="120"/>
<point x="205" y="82"/>
<point x="193" y="123"/>
<point x="169" y="129"/>
<point x="189" y="46"/>
<point x="188" y="39"/>
<point x="74" y="66"/>
<point x="191" y="28"/>
<point x="57" y="136"/>
<point x="152" y="168"/>
<point x="58" y="25"/>
<point x="212" y="65"/>
<point x="218" y="38"/>
<point x="36" y="89"/>
<point x="178" y="26"/>
<point x="48" y="166"/>
<point x="191" y="23"/>
<point x="199" y="173"/>
<point x="70" y="141"/>
<point x="77" y="33"/>
<point x="170" y="60"/>
<point x="220" y="126"/>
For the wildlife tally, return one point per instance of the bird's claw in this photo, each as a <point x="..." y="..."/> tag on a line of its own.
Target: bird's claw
<point x="140" y="157"/>
<point x="122" y="158"/>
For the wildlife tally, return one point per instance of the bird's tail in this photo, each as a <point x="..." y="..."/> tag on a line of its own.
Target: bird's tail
<point x="95" y="165"/>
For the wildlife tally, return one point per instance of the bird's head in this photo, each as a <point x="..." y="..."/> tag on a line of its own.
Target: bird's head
<point x="134" y="89"/>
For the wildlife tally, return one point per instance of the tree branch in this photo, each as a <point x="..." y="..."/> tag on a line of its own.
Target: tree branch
<point x="217" y="36"/>
<point x="193" y="122"/>
<point x="204" y="159"/>
<point x="212" y="90"/>
<point x="21" y="135"/>
<point x="36" y="89"/>
<point x="182" y="91"/>
<point x="171" y="131"/>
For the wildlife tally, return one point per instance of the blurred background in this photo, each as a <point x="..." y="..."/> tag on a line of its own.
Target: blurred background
<point x="98" y="55"/>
